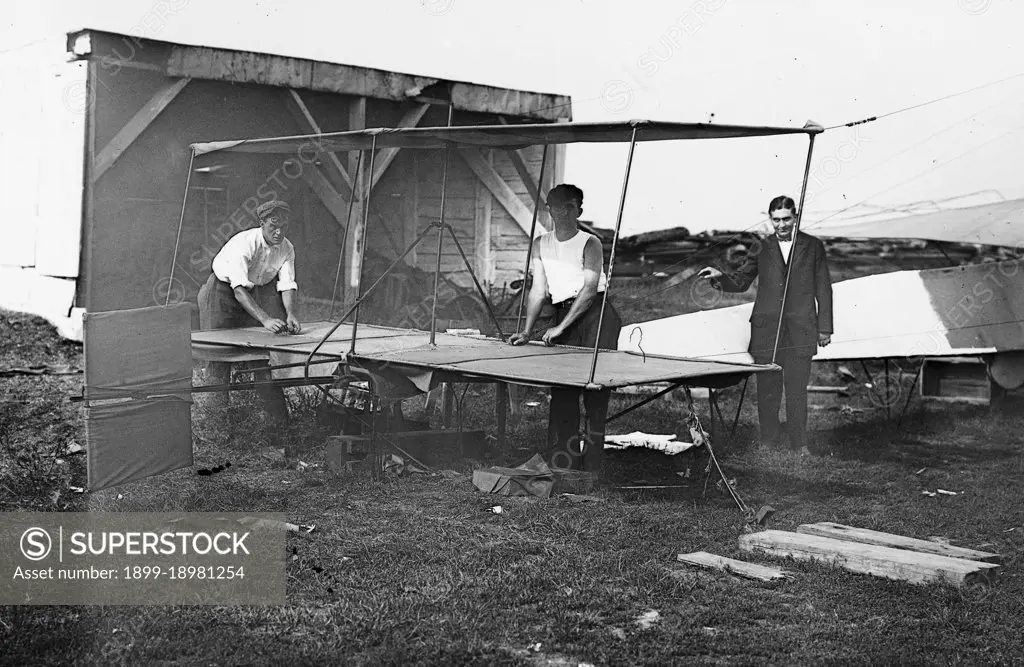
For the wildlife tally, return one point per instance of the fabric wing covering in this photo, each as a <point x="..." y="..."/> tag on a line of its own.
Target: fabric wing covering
<point x="407" y="364"/>
<point x="998" y="224"/>
<point x="138" y="383"/>
<point x="495" y="136"/>
<point x="964" y="310"/>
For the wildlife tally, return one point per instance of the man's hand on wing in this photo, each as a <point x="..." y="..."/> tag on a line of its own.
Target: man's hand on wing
<point x="709" y="273"/>
<point x="520" y="338"/>
<point x="293" y="325"/>
<point x="551" y="334"/>
<point x="824" y="339"/>
<point x="274" y="325"/>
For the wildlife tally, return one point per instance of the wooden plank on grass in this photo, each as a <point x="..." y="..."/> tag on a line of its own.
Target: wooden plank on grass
<point x="737" y="567"/>
<point x="840" y="532"/>
<point x="900" y="564"/>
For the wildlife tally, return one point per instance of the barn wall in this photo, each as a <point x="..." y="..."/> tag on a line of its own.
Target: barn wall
<point x="133" y="225"/>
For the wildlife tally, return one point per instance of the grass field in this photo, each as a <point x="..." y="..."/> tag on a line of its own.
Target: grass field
<point x="415" y="570"/>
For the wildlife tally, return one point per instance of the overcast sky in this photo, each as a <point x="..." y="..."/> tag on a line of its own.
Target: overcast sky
<point x="744" y="61"/>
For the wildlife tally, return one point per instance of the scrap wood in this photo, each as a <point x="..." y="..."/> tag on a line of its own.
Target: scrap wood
<point x="39" y="370"/>
<point x="818" y="389"/>
<point x="865" y="536"/>
<point x="900" y="564"/>
<point x="740" y="568"/>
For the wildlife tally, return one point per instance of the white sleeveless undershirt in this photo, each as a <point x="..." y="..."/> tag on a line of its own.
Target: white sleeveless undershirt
<point x="563" y="265"/>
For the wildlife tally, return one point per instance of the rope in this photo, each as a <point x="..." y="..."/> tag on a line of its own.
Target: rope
<point x="924" y="104"/>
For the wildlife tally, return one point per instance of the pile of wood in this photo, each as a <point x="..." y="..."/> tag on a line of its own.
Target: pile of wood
<point x="879" y="554"/>
<point x="858" y="550"/>
<point x="675" y="249"/>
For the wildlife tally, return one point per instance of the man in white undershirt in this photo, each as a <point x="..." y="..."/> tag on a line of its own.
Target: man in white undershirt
<point x="568" y="268"/>
<point x="806" y="317"/>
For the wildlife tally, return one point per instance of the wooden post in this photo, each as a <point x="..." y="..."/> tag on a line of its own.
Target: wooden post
<point x="357" y="230"/>
<point x="447" y="404"/>
<point x="501" y="412"/>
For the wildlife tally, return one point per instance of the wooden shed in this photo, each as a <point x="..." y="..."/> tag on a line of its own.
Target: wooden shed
<point x="121" y="111"/>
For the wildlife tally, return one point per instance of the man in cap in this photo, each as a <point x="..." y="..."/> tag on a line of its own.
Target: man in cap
<point x="568" y="268"/>
<point x="241" y="292"/>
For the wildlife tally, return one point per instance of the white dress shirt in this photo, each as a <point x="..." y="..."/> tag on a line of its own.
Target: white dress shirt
<point x="786" y="247"/>
<point x="247" y="260"/>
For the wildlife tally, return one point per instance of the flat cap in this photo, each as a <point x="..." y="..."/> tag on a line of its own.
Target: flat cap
<point x="264" y="210"/>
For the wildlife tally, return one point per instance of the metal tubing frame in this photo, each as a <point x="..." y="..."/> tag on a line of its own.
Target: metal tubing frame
<point x="440" y="231"/>
<point x="739" y="407"/>
<point x="476" y="281"/>
<point x="649" y="399"/>
<point x="611" y="258"/>
<point x="796" y="232"/>
<point x="369" y="290"/>
<point x="533" y="232"/>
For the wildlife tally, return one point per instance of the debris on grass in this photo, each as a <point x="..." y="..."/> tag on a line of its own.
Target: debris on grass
<point x="928" y="493"/>
<point x="400" y="467"/>
<point x="947" y="493"/>
<point x="452" y="475"/>
<point x="258" y="522"/>
<point x="273" y="454"/>
<point x="76" y="489"/>
<point x="214" y="470"/>
<point x="497" y="509"/>
<point x="920" y="471"/>
<point x="666" y="444"/>
<point x="648" y="619"/>
<point x="533" y="478"/>
<point x="720" y="487"/>
<point x="74" y="448"/>
<point x="618" y="633"/>
<point x="763" y="515"/>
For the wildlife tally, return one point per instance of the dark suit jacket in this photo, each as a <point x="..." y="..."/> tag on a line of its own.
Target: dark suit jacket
<point x="808" y="301"/>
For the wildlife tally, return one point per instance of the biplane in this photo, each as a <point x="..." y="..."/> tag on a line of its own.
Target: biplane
<point x="404" y="361"/>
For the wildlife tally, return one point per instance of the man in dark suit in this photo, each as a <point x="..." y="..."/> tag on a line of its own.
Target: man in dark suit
<point x="806" y="317"/>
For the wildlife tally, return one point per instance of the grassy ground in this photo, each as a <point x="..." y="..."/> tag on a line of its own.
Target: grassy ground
<point x="415" y="570"/>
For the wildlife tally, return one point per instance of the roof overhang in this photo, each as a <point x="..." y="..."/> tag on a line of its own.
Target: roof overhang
<point x="498" y="136"/>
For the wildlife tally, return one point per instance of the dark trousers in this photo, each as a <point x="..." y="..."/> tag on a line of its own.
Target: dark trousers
<point x="796" y="371"/>
<point x="564" y="418"/>
<point x="219" y="309"/>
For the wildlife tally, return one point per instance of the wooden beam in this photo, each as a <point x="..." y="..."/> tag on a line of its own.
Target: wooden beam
<point x="305" y="116"/>
<point x="332" y="201"/>
<point x="411" y="209"/>
<point x="501" y="413"/>
<point x="519" y="159"/>
<point x="508" y="199"/>
<point x="387" y="155"/>
<point x="749" y="570"/>
<point x="135" y="127"/>
<point x="840" y="532"/>
<point x="899" y="564"/>
<point x="482" y="236"/>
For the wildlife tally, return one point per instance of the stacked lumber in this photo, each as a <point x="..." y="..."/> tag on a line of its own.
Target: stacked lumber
<point x="876" y="553"/>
